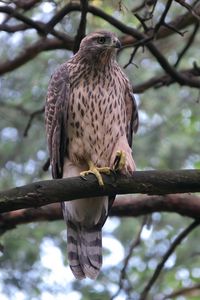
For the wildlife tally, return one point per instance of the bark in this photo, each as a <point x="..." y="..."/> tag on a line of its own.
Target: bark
<point x="124" y="206"/>
<point x="145" y="182"/>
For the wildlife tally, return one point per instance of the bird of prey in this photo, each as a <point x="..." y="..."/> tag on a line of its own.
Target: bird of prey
<point x="91" y="116"/>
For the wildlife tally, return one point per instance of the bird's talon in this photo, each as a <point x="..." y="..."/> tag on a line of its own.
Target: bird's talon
<point x="83" y="175"/>
<point x="120" y="160"/>
<point x="96" y="171"/>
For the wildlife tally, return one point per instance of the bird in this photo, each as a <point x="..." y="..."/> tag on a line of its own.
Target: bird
<point x="91" y="117"/>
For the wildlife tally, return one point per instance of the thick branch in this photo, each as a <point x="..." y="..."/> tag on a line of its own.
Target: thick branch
<point x="164" y="80"/>
<point x="145" y="182"/>
<point x="14" y="28"/>
<point x="32" y="51"/>
<point x="29" y="22"/>
<point x="124" y="206"/>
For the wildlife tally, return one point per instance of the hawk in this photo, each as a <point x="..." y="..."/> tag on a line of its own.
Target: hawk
<point x="91" y="116"/>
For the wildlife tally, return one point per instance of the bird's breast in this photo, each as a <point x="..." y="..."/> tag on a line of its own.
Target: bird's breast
<point x="96" y="119"/>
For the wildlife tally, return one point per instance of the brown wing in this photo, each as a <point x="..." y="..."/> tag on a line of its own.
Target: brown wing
<point x="56" y="110"/>
<point x="132" y="116"/>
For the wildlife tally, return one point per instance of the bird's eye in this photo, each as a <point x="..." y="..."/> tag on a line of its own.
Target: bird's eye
<point x="101" y="40"/>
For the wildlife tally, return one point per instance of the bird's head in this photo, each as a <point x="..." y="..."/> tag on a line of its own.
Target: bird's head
<point x="100" y="43"/>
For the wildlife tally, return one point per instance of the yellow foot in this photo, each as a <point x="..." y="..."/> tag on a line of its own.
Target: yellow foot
<point x="120" y="160"/>
<point x="96" y="171"/>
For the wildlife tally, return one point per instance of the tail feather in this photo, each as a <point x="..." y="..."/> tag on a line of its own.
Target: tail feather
<point x="84" y="250"/>
<point x="72" y="249"/>
<point x="91" y="251"/>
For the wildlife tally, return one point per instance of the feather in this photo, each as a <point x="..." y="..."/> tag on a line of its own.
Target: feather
<point x="56" y="112"/>
<point x="84" y="247"/>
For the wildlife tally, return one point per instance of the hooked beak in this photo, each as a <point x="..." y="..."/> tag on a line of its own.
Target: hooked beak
<point x="116" y="43"/>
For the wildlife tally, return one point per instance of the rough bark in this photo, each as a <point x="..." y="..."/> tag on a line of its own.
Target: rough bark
<point x="145" y="182"/>
<point x="124" y="206"/>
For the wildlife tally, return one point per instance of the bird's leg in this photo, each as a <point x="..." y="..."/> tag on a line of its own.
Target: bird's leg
<point x="120" y="160"/>
<point x="96" y="171"/>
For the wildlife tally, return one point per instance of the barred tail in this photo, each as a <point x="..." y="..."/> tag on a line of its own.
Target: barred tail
<point x="84" y="248"/>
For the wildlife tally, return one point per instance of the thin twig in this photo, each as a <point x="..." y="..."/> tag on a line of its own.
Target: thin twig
<point x="189" y="8"/>
<point x="31" y="118"/>
<point x="82" y="26"/>
<point x="131" y="58"/>
<point x="171" y="249"/>
<point x="188" y="44"/>
<point x="163" y="16"/>
<point x="142" y="21"/>
<point x="146" y="4"/>
<point x="173" y="28"/>
<point x="133" y="245"/>
<point x="139" y="7"/>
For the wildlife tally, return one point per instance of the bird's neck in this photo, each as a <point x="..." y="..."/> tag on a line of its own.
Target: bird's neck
<point x="96" y="59"/>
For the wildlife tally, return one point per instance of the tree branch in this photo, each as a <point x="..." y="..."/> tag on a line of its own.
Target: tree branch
<point x="180" y="78"/>
<point x="190" y="8"/>
<point x="124" y="206"/>
<point x="184" y="292"/>
<point x="188" y="44"/>
<point x="180" y="22"/>
<point x="146" y="182"/>
<point x="142" y="39"/>
<point x="32" y="51"/>
<point x="123" y="271"/>
<point x="164" y="80"/>
<point x="14" y="28"/>
<point x="30" y="23"/>
<point x="171" y="249"/>
<point x="162" y="18"/>
<point x="82" y="25"/>
<point x="135" y="206"/>
<point x="31" y="118"/>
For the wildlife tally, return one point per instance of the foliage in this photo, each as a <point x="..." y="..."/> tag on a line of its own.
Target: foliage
<point x="33" y="255"/>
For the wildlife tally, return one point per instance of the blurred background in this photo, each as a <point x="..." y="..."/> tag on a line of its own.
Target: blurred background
<point x="33" y="256"/>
